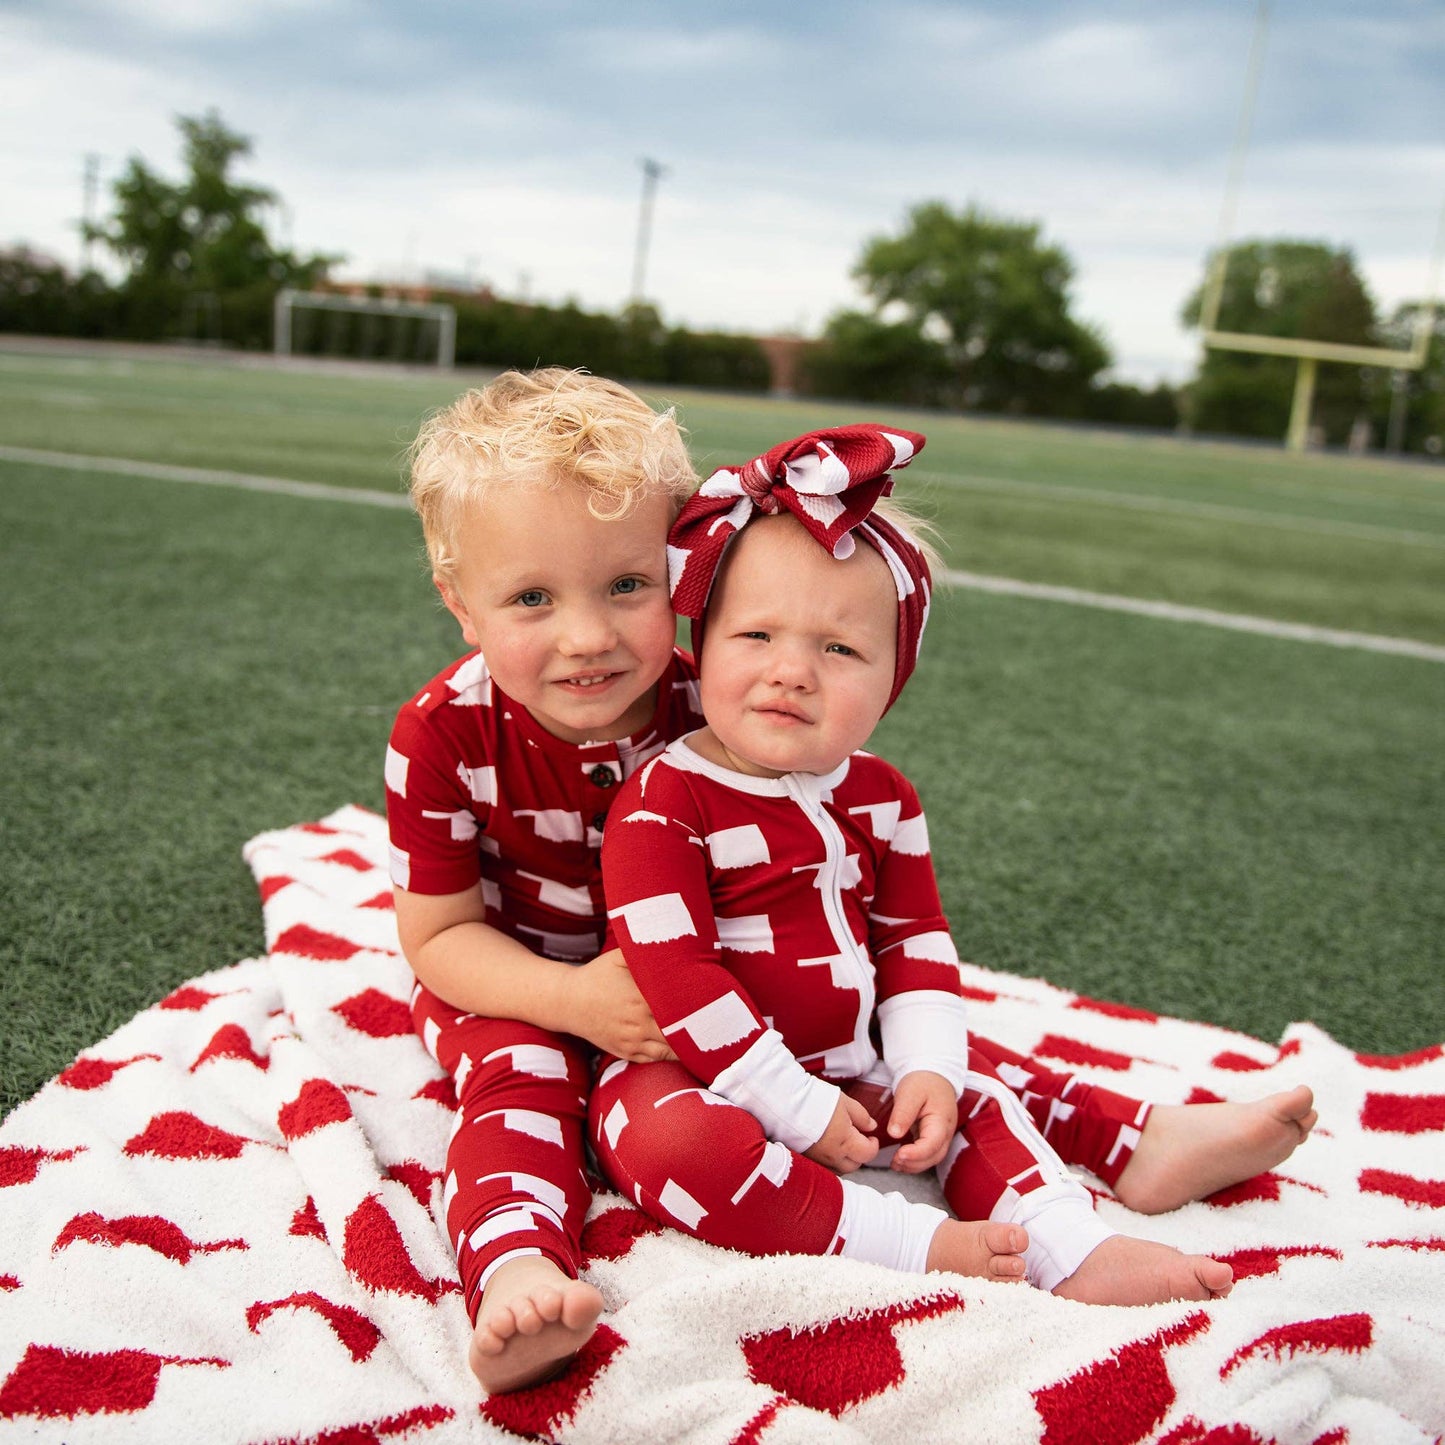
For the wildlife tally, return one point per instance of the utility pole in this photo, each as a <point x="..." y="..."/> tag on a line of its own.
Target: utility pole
<point x="652" y="172"/>
<point x="90" y="185"/>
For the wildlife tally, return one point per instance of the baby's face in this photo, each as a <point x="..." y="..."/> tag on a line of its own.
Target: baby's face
<point x="571" y="613"/>
<point x="798" y="652"/>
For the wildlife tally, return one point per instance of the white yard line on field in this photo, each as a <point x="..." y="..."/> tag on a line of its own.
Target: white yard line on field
<point x="1007" y="586"/>
<point x="1180" y="507"/>
<point x="1178" y="612"/>
<point x="163" y="472"/>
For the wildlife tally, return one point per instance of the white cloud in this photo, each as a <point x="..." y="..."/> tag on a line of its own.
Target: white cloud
<point x="503" y="141"/>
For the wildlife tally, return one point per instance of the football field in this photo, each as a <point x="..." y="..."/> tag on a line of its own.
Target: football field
<point x="1240" y="826"/>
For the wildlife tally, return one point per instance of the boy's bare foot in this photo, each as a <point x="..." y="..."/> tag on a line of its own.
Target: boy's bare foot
<point x="533" y="1319"/>
<point x="1127" y="1271"/>
<point x="1190" y="1150"/>
<point x="980" y="1248"/>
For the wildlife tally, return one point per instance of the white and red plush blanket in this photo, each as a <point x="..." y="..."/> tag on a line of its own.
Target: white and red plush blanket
<point x="219" y="1224"/>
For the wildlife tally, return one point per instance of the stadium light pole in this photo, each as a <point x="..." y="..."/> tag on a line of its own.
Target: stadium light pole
<point x="652" y="172"/>
<point x="89" y="186"/>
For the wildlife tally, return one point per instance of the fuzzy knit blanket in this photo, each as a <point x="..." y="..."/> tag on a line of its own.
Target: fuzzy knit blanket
<point x="220" y="1224"/>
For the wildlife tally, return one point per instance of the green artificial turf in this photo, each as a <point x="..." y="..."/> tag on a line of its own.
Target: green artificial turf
<point x="1222" y="826"/>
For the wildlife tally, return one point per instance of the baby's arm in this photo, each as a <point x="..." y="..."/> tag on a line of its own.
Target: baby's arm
<point x="473" y="966"/>
<point x="655" y="874"/>
<point x="921" y="1011"/>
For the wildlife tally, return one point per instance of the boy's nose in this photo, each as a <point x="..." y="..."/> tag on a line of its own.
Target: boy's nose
<point x="587" y="632"/>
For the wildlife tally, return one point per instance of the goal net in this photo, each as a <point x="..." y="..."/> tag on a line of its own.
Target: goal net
<point x="369" y="328"/>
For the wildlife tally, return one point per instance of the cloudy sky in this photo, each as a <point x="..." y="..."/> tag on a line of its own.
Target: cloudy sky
<point x="501" y="139"/>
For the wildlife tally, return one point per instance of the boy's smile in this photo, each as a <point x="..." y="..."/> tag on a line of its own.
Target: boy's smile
<point x="797" y="659"/>
<point x="571" y="613"/>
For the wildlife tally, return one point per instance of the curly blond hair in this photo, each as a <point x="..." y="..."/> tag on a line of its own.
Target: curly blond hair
<point x="548" y="427"/>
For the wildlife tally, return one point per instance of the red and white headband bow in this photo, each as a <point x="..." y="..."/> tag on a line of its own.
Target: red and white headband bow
<point x="830" y="481"/>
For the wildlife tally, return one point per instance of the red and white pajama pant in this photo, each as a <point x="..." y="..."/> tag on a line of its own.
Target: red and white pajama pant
<point x="695" y="1161"/>
<point x="515" y="1180"/>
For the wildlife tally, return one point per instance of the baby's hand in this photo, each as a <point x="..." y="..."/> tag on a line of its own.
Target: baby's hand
<point x="927" y="1101"/>
<point x="844" y="1146"/>
<point x="609" y="1010"/>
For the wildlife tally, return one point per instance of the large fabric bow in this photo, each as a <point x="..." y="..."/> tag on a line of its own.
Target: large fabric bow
<point x="830" y="481"/>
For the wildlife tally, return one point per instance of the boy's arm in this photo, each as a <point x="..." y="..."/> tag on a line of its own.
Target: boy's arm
<point x="473" y="966"/>
<point x="654" y="873"/>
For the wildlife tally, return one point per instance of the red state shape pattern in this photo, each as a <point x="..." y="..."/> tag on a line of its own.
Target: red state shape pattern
<point x="1238" y="1063"/>
<point x="439" y="1091"/>
<point x="319" y="1103"/>
<point x="150" y="1231"/>
<point x="1403" y="1113"/>
<point x="373" y="1432"/>
<point x="351" y="1327"/>
<point x="376" y="1014"/>
<point x="55" y="1382"/>
<point x="613" y="1233"/>
<point x="1430" y="1192"/>
<point x="1254" y="1263"/>
<point x="376" y="1255"/>
<point x="752" y="1432"/>
<point x="1074" y="1051"/>
<point x="385" y="900"/>
<point x="1263" y="1188"/>
<point x="180" y="1135"/>
<point x="270" y="887"/>
<point x="93" y="1073"/>
<point x="1115" y="1010"/>
<point x="307" y="942"/>
<point x="1119" y="1399"/>
<point x="231" y="1041"/>
<point x="417" y="1178"/>
<point x="1413" y="1060"/>
<point x="539" y="1413"/>
<point x="306" y="1222"/>
<point x="1190" y="1431"/>
<point x="837" y="1365"/>
<point x="20" y="1165"/>
<point x="349" y="858"/>
<point x="1353" y="1333"/>
<point x="188" y="998"/>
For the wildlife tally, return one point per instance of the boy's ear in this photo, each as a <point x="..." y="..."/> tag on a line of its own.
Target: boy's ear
<point x="458" y="609"/>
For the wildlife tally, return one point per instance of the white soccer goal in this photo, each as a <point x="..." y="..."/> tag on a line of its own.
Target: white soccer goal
<point x="372" y="327"/>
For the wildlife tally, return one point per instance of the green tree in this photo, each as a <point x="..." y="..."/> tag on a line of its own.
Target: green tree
<point x="996" y="299"/>
<point x="866" y="359"/>
<point x="197" y="251"/>
<point x="1298" y="289"/>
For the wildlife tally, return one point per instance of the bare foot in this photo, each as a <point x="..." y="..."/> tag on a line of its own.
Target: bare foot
<point x="1190" y="1150"/>
<point x="533" y="1319"/>
<point x="979" y="1248"/>
<point x="1127" y="1271"/>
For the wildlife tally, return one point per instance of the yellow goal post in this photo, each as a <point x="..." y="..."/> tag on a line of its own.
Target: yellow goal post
<point x="1309" y="353"/>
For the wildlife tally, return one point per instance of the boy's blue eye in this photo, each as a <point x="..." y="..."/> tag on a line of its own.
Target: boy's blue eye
<point x="626" y="586"/>
<point x="535" y="597"/>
